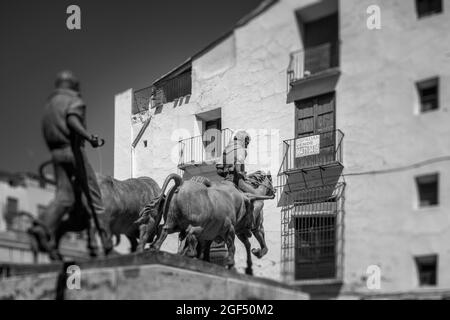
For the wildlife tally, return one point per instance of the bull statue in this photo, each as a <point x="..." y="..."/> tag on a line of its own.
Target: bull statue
<point x="123" y="201"/>
<point x="203" y="211"/>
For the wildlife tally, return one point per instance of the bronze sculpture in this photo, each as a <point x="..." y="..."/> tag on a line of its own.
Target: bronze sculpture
<point x="203" y="212"/>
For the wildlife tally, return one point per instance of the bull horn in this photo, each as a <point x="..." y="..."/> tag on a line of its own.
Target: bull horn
<point x="253" y="197"/>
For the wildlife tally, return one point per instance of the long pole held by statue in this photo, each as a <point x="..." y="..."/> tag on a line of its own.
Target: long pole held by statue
<point x="85" y="187"/>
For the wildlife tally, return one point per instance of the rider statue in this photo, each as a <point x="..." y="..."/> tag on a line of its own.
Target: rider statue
<point x="233" y="166"/>
<point x="64" y="130"/>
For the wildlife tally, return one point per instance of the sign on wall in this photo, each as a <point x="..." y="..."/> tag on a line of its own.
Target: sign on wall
<point x="307" y="146"/>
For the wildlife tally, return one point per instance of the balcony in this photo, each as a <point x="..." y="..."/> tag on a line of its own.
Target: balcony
<point x="310" y="161"/>
<point x="313" y="71"/>
<point x="199" y="155"/>
<point x="310" y="61"/>
<point x="312" y="151"/>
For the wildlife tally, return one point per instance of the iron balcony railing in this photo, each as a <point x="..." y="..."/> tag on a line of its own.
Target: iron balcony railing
<point x="312" y="150"/>
<point x="205" y="148"/>
<point x="309" y="61"/>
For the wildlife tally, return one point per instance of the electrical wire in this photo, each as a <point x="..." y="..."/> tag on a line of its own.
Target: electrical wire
<point x="373" y="172"/>
<point x="404" y="168"/>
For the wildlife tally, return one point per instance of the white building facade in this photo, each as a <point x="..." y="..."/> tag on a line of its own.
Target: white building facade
<point x="22" y="198"/>
<point x="353" y="120"/>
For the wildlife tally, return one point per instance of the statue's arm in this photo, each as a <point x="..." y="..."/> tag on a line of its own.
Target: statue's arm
<point x="74" y="123"/>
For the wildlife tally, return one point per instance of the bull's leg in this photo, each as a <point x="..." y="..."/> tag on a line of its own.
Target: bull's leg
<point x="191" y="248"/>
<point x="133" y="243"/>
<point x="183" y="245"/>
<point x="244" y="239"/>
<point x="91" y="243"/>
<point x="199" y="249"/>
<point x="192" y="234"/>
<point x="206" y="250"/>
<point x="229" y="240"/>
<point x="259" y="235"/>
<point x="168" y="228"/>
<point x="143" y="237"/>
<point x="258" y="230"/>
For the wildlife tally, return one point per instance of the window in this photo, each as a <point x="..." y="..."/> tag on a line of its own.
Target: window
<point x="428" y="94"/>
<point x="145" y="143"/>
<point x="428" y="190"/>
<point x="212" y="138"/>
<point x="315" y="254"/>
<point x="428" y="7"/>
<point x="427" y="270"/>
<point x="12" y="205"/>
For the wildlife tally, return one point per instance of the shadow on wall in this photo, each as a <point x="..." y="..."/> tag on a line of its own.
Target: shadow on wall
<point x="321" y="291"/>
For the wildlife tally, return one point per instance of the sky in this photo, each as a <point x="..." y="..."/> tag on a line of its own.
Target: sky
<point x="121" y="45"/>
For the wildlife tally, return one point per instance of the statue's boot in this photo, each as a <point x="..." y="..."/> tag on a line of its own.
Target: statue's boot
<point x="45" y="242"/>
<point x="106" y="241"/>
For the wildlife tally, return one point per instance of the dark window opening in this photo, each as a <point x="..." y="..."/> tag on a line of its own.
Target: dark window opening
<point x="11" y="212"/>
<point x="427" y="270"/>
<point x="12" y="205"/>
<point x="428" y="94"/>
<point x="428" y="190"/>
<point x="321" y="40"/>
<point x="315" y="247"/>
<point x="428" y="7"/>
<point x="320" y="43"/>
<point x="212" y="138"/>
<point x="145" y="143"/>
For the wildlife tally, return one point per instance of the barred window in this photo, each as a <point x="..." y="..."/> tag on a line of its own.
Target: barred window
<point x="315" y="255"/>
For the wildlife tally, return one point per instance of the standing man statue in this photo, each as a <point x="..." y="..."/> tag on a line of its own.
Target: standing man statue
<point x="77" y="190"/>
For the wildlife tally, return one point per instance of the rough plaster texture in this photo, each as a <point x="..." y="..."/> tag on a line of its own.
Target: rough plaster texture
<point x="376" y="108"/>
<point x="29" y="197"/>
<point x="244" y="75"/>
<point x="122" y="135"/>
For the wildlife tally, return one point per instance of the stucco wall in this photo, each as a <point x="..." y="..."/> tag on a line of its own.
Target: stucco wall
<point x="245" y="76"/>
<point x="377" y="109"/>
<point x="122" y="135"/>
<point x="29" y="198"/>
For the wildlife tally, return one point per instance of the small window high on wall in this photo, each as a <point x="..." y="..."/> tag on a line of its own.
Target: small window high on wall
<point x="428" y="7"/>
<point x="428" y="94"/>
<point x="427" y="270"/>
<point x="428" y="190"/>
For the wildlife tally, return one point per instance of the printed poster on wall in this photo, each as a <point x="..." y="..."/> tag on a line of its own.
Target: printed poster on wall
<point x="307" y="146"/>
